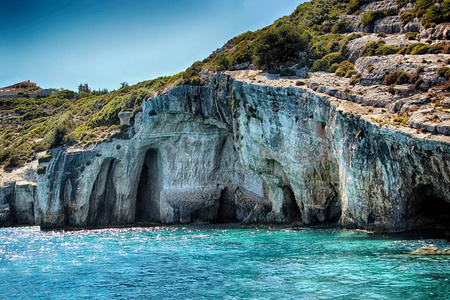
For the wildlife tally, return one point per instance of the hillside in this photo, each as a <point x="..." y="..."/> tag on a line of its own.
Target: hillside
<point x="386" y="54"/>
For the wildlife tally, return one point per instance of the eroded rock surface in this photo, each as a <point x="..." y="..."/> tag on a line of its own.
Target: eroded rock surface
<point x="238" y="149"/>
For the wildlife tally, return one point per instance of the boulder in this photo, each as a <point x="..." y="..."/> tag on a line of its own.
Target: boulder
<point x="430" y="251"/>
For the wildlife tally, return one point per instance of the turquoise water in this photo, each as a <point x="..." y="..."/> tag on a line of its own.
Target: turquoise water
<point x="211" y="263"/>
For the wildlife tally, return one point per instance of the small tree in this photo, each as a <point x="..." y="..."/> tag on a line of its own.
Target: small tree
<point x="278" y="45"/>
<point x="84" y="88"/>
<point x="123" y="84"/>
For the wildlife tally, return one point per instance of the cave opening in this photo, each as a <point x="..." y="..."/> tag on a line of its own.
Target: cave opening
<point x="147" y="197"/>
<point x="103" y="196"/>
<point x="290" y="208"/>
<point x="427" y="210"/>
<point x="227" y="207"/>
<point x="334" y="212"/>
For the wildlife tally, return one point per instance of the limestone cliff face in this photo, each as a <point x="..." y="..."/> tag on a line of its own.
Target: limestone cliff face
<point x="178" y="165"/>
<point x="339" y="166"/>
<point x="235" y="151"/>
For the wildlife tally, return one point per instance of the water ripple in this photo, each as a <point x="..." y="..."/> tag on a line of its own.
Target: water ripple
<point x="187" y="262"/>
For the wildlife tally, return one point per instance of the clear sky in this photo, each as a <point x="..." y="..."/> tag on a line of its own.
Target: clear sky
<point x="62" y="43"/>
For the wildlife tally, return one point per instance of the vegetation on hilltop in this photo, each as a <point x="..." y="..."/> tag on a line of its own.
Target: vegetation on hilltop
<point x="315" y="28"/>
<point x="35" y="125"/>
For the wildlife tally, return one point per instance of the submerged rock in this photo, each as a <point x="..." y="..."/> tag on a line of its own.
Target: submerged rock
<point x="430" y="251"/>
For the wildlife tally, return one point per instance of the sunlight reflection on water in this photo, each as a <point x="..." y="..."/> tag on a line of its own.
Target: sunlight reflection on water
<point x="188" y="262"/>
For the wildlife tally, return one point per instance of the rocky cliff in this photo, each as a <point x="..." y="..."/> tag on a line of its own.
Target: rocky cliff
<point x="234" y="150"/>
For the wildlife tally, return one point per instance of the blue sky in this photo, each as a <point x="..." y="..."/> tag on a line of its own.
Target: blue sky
<point x="60" y="44"/>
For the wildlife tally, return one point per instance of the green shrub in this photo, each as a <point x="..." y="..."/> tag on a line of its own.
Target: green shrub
<point x="422" y="6"/>
<point x="387" y="50"/>
<point x="423" y="49"/>
<point x="277" y="46"/>
<point x="58" y="136"/>
<point x="40" y="146"/>
<point x="66" y="94"/>
<point x="287" y="72"/>
<point x="45" y="158"/>
<point x="333" y="68"/>
<point x="429" y="12"/>
<point x="108" y="115"/>
<point x="322" y="45"/>
<point x="436" y="15"/>
<point x="5" y="154"/>
<point x="327" y="61"/>
<point x="41" y="170"/>
<point x="412" y="35"/>
<point x="242" y="55"/>
<point x="13" y="161"/>
<point x="407" y="16"/>
<point x="354" y="5"/>
<point x="371" y="48"/>
<point x="220" y="63"/>
<point x="316" y="14"/>
<point x="420" y="48"/>
<point x="350" y="73"/>
<point x="344" y="68"/>
<point x="192" y="71"/>
<point x="341" y="26"/>
<point x="195" y="81"/>
<point x="378" y="48"/>
<point x="402" y="3"/>
<point x="444" y="72"/>
<point x="370" y="17"/>
<point x="391" y="89"/>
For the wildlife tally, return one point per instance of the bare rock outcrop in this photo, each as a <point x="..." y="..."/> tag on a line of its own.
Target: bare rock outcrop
<point x="389" y="25"/>
<point x="390" y="5"/>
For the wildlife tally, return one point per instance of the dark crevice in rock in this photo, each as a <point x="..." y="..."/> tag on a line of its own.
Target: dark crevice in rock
<point x="334" y="212"/>
<point x="103" y="196"/>
<point x="227" y="207"/>
<point x="290" y="208"/>
<point x="147" y="198"/>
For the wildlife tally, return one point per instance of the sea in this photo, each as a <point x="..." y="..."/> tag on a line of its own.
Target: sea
<point x="219" y="262"/>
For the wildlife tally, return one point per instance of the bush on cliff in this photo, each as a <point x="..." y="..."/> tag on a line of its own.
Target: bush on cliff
<point x="355" y="5"/>
<point x="378" y="48"/>
<point x="345" y="69"/>
<point x="341" y="26"/>
<point x="430" y="13"/>
<point x="397" y="77"/>
<point x="192" y="72"/>
<point x="327" y="62"/>
<point x="444" y="72"/>
<point x="420" y="48"/>
<point x="278" y="46"/>
<point x="437" y="14"/>
<point x="369" y="17"/>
